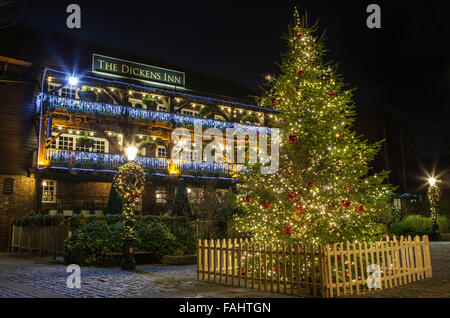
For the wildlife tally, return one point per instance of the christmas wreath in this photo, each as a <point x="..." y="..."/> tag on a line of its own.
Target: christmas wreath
<point x="130" y="191"/>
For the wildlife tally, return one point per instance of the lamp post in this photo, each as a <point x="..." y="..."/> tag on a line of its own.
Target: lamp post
<point x="433" y="197"/>
<point x="129" y="262"/>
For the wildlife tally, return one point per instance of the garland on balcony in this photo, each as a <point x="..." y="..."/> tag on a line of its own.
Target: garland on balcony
<point x="83" y="106"/>
<point x="130" y="191"/>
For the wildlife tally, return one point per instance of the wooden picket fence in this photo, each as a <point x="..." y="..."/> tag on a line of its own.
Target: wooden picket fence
<point x="39" y="240"/>
<point x="326" y="271"/>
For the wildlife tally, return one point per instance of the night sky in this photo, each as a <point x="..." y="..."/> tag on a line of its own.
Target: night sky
<point x="403" y="68"/>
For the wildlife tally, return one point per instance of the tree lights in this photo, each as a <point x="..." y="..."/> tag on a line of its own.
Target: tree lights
<point x="322" y="191"/>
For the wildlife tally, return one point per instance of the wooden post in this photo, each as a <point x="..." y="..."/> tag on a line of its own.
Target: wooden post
<point x="205" y="258"/>
<point x="220" y="260"/>
<point x="291" y="249"/>
<point x="305" y="258"/>
<point x="54" y="242"/>
<point x="239" y="263"/>
<point x="297" y="253"/>
<point x="213" y="256"/>
<point x="227" y="262"/>
<point x="271" y="268"/>
<point x="199" y="258"/>
<point x="284" y="268"/>
<point x="20" y="238"/>
<point x="336" y="268"/>
<point x="420" y="266"/>
<point x="253" y="265"/>
<point x="349" y="258"/>
<point x="426" y="249"/>
<point x="411" y="260"/>
<point x="313" y="270"/>
<point x="278" y="267"/>
<point x="265" y="267"/>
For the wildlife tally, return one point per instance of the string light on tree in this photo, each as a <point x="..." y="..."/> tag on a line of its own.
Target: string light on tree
<point x="323" y="191"/>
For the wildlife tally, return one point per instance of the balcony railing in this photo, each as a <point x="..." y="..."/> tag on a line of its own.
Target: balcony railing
<point x="82" y="106"/>
<point x="101" y="161"/>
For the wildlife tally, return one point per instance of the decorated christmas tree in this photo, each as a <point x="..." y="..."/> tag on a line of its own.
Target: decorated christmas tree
<point x="324" y="190"/>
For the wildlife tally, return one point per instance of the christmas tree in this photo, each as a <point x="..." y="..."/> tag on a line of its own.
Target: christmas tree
<point x="323" y="191"/>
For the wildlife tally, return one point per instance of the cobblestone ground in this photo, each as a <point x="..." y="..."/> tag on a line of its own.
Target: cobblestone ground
<point x="36" y="277"/>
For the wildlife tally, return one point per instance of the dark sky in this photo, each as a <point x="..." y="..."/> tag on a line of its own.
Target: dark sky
<point x="404" y="67"/>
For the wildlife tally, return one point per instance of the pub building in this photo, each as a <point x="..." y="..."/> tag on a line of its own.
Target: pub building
<point x="71" y="107"/>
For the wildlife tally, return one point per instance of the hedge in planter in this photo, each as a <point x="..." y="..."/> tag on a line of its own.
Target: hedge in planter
<point x="155" y="238"/>
<point x="89" y="245"/>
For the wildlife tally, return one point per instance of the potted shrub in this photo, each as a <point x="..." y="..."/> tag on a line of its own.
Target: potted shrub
<point x="88" y="94"/>
<point x="83" y="218"/>
<point x="149" y="102"/>
<point x="85" y="141"/>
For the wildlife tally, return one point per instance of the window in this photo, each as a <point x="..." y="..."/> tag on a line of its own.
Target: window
<point x="161" y="196"/>
<point x="48" y="191"/>
<point x="189" y="112"/>
<point x="138" y="205"/>
<point x="68" y="92"/>
<point x="65" y="142"/>
<point x="99" y="146"/>
<point x="8" y="186"/>
<point x="161" y="152"/>
<point x="68" y="142"/>
<point x="195" y="195"/>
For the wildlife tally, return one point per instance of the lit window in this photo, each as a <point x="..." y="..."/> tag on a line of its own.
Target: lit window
<point x="65" y="143"/>
<point x="161" y="196"/>
<point x="138" y="205"/>
<point x="48" y="191"/>
<point x="99" y="146"/>
<point x="68" y="92"/>
<point x="161" y="152"/>
<point x="195" y="195"/>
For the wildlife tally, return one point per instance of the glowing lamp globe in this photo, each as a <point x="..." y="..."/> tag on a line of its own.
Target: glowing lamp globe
<point x="432" y="181"/>
<point x="72" y="80"/>
<point x="131" y="153"/>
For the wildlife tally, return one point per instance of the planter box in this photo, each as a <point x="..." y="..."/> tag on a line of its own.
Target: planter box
<point x="179" y="260"/>
<point x="445" y="236"/>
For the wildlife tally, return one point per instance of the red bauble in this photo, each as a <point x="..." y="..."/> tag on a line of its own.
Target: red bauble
<point x="341" y="138"/>
<point x="288" y="230"/>
<point x="248" y="199"/>
<point x="293" y="139"/>
<point x="298" y="206"/>
<point x="291" y="195"/>
<point x="339" y="257"/>
<point x="332" y="93"/>
<point x="301" y="73"/>
<point x="243" y="272"/>
<point x="310" y="184"/>
<point x="330" y="208"/>
<point x="360" y="208"/>
<point x="346" y="203"/>
<point x="348" y="186"/>
<point x="274" y="101"/>
<point x="266" y="204"/>
<point x="346" y="274"/>
<point x="300" y="36"/>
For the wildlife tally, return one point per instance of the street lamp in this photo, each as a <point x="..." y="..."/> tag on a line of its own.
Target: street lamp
<point x="433" y="197"/>
<point x="129" y="262"/>
<point x="131" y="153"/>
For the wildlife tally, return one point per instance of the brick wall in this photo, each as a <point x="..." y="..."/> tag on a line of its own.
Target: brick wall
<point x="19" y="203"/>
